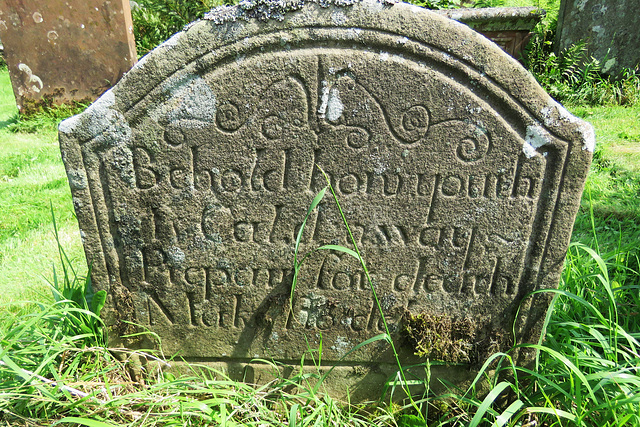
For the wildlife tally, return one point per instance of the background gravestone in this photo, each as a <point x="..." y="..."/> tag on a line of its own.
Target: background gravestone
<point x="460" y="178"/>
<point x="610" y="29"/>
<point x="60" y="51"/>
<point x="508" y="27"/>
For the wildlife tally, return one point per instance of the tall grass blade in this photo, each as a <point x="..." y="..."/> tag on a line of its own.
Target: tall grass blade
<point x="293" y="415"/>
<point x="339" y="248"/>
<point x="508" y="413"/>
<point x="573" y="369"/>
<point x="559" y="413"/>
<point x="84" y="422"/>
<point x="316" y="200"/>
<point x="487" y="402"/>
<point x="298" y="264"/>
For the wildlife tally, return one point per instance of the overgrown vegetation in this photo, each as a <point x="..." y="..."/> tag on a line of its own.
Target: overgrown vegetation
<point x="157" y="20"/>
<point x="574" y="78"/>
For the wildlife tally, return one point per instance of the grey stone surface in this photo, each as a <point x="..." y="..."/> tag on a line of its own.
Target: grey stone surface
<point x="460" y="178"/>
<point x="611" y="31"/>
<point x="497" y="18"/>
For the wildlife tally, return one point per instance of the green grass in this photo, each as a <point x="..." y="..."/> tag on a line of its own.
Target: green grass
<point x="618" y="133"/>
<point x="8" y="109"/>
<point x="613" y="185"/>
<point x="32" y="180"/>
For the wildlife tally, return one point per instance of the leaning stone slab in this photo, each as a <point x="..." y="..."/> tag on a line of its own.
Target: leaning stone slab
<point x="459" y="176"/>
<point x="62" y="51"/>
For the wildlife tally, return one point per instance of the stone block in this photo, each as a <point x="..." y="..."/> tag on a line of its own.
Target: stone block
<point x="459" y="177"/>
<point x="508" y="27"/>
<point x="60" y="51"/>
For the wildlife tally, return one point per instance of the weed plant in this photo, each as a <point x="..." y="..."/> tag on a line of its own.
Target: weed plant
<point x="157" y="20"/>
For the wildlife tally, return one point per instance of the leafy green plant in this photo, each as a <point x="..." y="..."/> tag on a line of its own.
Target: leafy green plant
<point x="574" y="78"/>
<point x="156" y="20"/>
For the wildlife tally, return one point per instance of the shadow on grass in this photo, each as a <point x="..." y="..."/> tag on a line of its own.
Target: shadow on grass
<point x="13" y="119"/>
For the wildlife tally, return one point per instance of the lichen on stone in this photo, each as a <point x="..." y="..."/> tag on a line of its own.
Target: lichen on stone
<point x="264" y="10"/>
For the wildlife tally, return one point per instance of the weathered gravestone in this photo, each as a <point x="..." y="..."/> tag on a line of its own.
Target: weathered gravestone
<point x="460" y="178"/>
<point x="609" y="29"/>
<point x="61" y="51"/>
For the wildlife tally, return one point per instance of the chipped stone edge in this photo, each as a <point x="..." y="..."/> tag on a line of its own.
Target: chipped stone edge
<point x="555" y="115"/>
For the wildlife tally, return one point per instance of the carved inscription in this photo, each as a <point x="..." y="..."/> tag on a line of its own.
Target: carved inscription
<point x="416" y="166"/>
<point x="199" y="190"/>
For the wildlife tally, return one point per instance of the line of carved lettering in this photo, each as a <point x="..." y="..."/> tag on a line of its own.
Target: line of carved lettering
<point x="522" y="180"/>
<point x="497" y="274"/>
<point x="458" y="241"/>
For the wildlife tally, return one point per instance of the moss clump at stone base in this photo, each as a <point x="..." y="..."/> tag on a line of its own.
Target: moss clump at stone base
<point x="32" y="107"/>
<point x="449" y="339"/>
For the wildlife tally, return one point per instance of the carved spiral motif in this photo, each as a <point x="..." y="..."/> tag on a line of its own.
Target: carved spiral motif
<point x="357" y="138"/>
<point x="228" y="117"/>
<point x="272" y="127"/>
<point x="473" y="147"/>
<point x="415" y="123"/>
